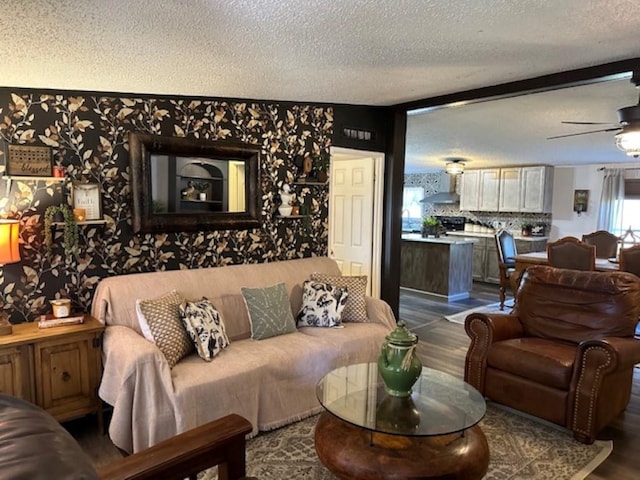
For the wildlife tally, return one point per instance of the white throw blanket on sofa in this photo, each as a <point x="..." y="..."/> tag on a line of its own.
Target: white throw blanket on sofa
<point x="270" y="382"/>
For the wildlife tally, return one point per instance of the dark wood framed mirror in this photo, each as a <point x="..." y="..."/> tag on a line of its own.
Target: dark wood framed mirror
<point x="186" y="185"/>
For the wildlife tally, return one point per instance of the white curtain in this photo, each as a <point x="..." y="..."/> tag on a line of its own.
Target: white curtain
<point x="610" y="215"/>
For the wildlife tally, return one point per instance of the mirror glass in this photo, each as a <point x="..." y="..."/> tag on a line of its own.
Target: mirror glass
<point x="181" y="184"/>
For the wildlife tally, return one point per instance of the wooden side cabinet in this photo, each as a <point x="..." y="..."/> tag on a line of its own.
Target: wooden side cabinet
<point x="56" y="368"/>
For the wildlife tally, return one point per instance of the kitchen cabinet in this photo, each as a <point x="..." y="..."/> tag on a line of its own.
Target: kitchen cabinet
<point x="470" y="190"/>
<point x="479" y="190"/>
<point x="485" y="256"/>
<point x="536" y="189"/>
<point x="509" y="189"/>
<point x="57" y="368"/>
<point x="489" y="190"/>
<point x="510" y="179"/>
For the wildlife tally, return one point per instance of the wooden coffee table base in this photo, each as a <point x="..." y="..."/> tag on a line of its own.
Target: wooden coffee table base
<point x="353" y="453"/>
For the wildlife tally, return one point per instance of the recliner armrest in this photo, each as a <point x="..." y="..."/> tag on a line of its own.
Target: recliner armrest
<point x="485" y="329"/>
<point x="596" y="362"/>
<point x="497" y="326"/>
<point x="220" y="442"/>
<point x="616" y="353"/>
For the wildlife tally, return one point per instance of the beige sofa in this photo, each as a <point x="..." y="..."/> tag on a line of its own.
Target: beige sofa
<point x="270" y="382"/>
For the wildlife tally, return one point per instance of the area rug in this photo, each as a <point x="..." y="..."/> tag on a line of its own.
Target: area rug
<point x="520" y="448"/>
<point x="492" y="308"/>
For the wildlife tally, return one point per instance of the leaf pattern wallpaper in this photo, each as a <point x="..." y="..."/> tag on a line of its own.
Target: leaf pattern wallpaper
<point x="88" y="137"/>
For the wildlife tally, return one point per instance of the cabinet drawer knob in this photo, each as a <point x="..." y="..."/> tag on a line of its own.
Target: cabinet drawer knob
<point x="66" y="376"/>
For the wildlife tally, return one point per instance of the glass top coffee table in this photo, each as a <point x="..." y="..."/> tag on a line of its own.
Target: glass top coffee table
<point x="367" y="433"/>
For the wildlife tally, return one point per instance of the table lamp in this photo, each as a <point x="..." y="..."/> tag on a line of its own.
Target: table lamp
<point x="9" y="253"/>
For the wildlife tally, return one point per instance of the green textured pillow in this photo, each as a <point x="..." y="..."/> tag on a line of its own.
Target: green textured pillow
<point x="269" y="311"/>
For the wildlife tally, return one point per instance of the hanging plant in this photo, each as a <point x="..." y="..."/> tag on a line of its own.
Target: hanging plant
<point x="70" y="226"/>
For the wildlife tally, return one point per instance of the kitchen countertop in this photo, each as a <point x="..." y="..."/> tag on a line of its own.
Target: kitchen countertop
<point x="491" y="235"/>
<point x="417" y="237"/>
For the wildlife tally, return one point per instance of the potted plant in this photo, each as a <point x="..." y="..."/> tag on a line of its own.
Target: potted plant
<point x="526" y="229"/>
<point x="321" y="165"/>
<point x="61" y="213"/>
<point x="201" y="188"/>
<point x="430" y="226"/>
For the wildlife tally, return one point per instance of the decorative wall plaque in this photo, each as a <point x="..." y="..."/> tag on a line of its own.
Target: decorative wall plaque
<point x="87" y="196"/>
<point x="29" y="161"/>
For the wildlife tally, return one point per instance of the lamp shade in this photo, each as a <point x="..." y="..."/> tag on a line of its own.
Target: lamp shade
<point x="9" y="250"/>
<point x="628" y="140"/>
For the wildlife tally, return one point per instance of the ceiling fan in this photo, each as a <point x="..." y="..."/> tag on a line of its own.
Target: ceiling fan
<point x="628" y="126"/>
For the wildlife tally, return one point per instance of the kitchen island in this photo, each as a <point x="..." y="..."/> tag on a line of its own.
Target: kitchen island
<point x="438" y="266"/>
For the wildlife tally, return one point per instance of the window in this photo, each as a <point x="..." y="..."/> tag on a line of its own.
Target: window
<point x="630" y="209"/>
<point x="412" y="208"/>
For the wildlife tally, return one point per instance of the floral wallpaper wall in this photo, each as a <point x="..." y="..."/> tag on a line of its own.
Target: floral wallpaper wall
<point x="88" y="137"/>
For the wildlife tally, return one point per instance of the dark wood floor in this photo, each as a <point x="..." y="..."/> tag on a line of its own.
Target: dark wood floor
<point x="443" y="346"/>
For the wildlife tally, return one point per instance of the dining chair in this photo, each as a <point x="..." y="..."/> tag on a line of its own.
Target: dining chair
<point x="572" y="254"/>
<point x="630" y="260"/>
<point x="606" y="243"/>
<point x="506" y="248"/>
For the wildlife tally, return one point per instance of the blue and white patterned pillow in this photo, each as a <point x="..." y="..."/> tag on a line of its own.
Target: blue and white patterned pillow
<point x="322" y="305"/>
<point x="205" y="327"/>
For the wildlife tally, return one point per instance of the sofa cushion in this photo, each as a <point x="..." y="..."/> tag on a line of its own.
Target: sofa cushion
<point x="322" y="305"/>
<point x="547" y="362"/>
<point x="205" y="327"/>
<point x="162" y="316"/>
<point x="356" y="308"/>
<point x="269" y="311"/>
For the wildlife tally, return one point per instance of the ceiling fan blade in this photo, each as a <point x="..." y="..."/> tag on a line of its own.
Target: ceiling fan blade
<point x="588" y="123"/>
<point x="584" y="133"/>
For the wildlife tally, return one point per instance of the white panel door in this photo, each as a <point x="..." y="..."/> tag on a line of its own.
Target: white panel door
<point x="351" y="216"/>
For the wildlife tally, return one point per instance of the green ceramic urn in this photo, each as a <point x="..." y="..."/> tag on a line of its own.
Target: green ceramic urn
<point x="398" y="364"/>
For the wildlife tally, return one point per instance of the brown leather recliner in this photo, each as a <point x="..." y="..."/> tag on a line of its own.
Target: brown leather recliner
<point x="566" y="353"/>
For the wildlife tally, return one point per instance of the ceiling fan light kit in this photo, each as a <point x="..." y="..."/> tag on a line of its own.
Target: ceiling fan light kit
<point x="628" y="140"/>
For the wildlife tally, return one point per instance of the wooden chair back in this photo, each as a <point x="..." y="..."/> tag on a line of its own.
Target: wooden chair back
<point x="506" y="248"/>
<point x="630" y="260"/>
<point x="572" y="254"/>
<point x="606" y="243"/>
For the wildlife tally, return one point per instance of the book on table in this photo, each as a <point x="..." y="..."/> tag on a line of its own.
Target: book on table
<point x="48" y="321"/>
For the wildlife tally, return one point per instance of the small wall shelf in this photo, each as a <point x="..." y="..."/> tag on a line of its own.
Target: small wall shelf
<point x="312" y="183"/>
<point x="10" y="178"/>
<point x="293" y="217"/>
<point x="85" y="222"/>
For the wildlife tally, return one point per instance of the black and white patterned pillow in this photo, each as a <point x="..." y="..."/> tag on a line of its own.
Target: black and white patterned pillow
<point x="356" y="308"/>
<point x="205" y="327"/>
<point x="322" y="305"/>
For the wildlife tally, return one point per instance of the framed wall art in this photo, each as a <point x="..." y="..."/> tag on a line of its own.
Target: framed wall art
<point x="87" y="196"/>
<point x="580" y="201"/>
<point x="29" y="161"/>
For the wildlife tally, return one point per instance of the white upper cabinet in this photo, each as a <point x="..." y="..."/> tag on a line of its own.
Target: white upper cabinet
<point x="470" y="190"/>
<point x="489" y="190"/>
<point x="536" y="189"/>
<point x="509" y="189"/>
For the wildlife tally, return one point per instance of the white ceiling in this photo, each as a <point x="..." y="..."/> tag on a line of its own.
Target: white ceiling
<point x="373" y="52"/>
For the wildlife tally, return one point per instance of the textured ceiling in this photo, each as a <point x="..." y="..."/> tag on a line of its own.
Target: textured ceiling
<point x="514" y="131"/>
<point x="354" y="51"/>
<point x="371" y="52"/>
